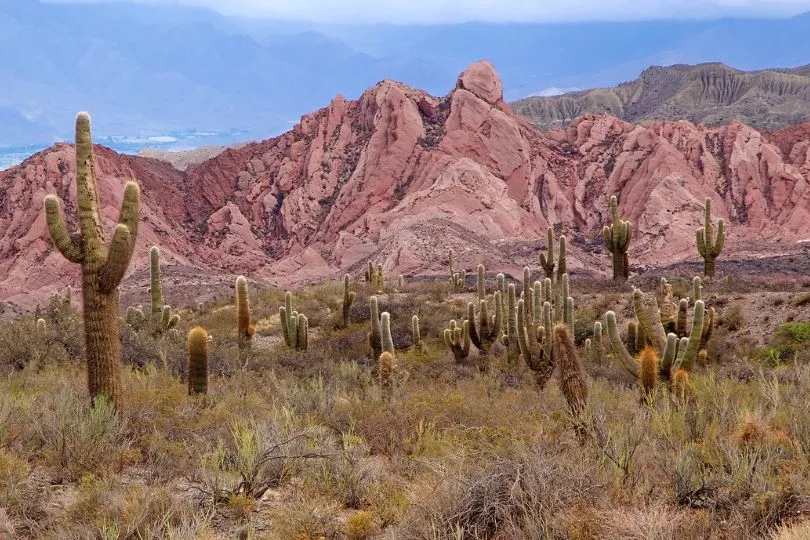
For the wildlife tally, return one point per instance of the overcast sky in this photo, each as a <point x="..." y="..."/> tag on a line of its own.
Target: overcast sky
<point x="427" y="11"/>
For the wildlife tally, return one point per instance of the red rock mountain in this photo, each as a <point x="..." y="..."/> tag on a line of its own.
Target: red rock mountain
<point x="398" y="176"/>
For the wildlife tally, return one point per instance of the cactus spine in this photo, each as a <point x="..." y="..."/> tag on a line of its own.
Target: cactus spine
<point x="709" y="246"/>
<point x="244" y="326"/>
<point x="198" y="361"/>
<point x="617" y="239"/>
<point x="348" y="299"/>
<point x="103" y="267"/>
<point x="648" y="372"/>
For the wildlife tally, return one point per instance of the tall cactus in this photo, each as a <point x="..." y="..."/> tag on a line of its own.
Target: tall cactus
<point x="197" y="361"/>
<point x="480" y="284"/>
<point x="617" y="239"/>
<point x="244" y="325"/>
<point x="416" y="335"/>
<point x="709" y="246"/>
<point x="103" y="268"/>
<point x="348" y="299"/>
<point x="511" y="337"/>
<point x="161" y="317"/>
<point x="571" y="375"/>
<point x="547" y="259"/>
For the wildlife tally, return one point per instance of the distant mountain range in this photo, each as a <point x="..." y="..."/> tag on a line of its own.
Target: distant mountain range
<point x="711" y="94"/>
<point x="144" y="70"/>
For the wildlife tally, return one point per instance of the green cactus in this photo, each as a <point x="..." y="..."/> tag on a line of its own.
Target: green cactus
<point x="244" y="325"/>
<point x="376" y="278"/>
<point x="547" y="259"/>
<point x="385" y="333"/>
<point x="634" y="344"/>
<point x="386" y="364"/>
<point x="102" y="267"/>
<point x="294" y="325"/>
<point x="416" y="335"/>
<point x="480" y="285"/>
<point x="135" y="318"/>
<point x="511" y="337"/>
<point x="697" y="289"/>
<point x="198" y="361"/>
<point x="617" y="239"/>
<point x="161" y="317"/>
<point x="709" y="246"/>
<point x="597" y="351"/>
<point x="458" y="280"/>
<point x="488" y="329"/>
<point x="348" y="299"/>
<point x="375" y="336"/>
<point x="457" y="339"/>
<point x="500" y="284"/>
<point x="528" y="292"/>
<point x="535" y="343"/>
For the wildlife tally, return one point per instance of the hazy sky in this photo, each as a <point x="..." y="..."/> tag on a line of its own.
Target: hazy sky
<point x="399" y="11"/>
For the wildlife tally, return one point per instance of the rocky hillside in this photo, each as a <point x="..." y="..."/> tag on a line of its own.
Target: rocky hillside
<point x="398" y="176"/>
<point x="710" y="94"/>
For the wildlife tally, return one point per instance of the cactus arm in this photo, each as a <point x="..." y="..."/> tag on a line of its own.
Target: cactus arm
<point x="561" y="259"/>
<point x="649" y="319"/>
<point x="385" y="327"/>
<point x="497" y="321"/>
<point x="475" y="335"/>
<point x="721" y="238"/>
<point x="480" y="283"/>
<point x="69" y="246"/>
<point x="155" y="290"/>
<point x="700" y="242"/>
<point x="628" y="362"/>
<point x="302" y="333"/>
<point x="606" y="234"/>
<point x="114" y="268"/>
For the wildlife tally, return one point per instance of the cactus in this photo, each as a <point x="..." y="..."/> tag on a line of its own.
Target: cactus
<point x="416" y="335"/>
<point x="375" y="336"/>
<point x="511" y="337"/>
<point x="102" y="267"/>
<point x="680" y="385"/>
<point x="400" y="283"/>
<point x="294" y="325"/>
<point x="376" y="278"/>
<point x="386" y="366"/>
<point x="597" y="345"/>
<point x="161" y="317"/>
<point x="697" y="289"/>
<point x="244" y="326"/>
<point x="348" y="299"/>
<point x="135" y="318"/>
<point x="198" y="361"/>
<point x="500" y="284"/>
<point x="457" y="279"/>
<point x="570" y="374"/>
<point x="675" y="354"/>
<point x="385" y="328"/>
<point x="681" y="318"/>
<point x="648" y="372"/>
<point x="547" y="259"/>
<point x="632" y="339"/>
<point x="535" y="343"/>
<point x="457" y="339"/>
<point x="617" y="239"/>
<point x="487" y="330"/>
<point x="709" y="246"/>
<point x="528" y="292"/>
<point x="480" y="285"/>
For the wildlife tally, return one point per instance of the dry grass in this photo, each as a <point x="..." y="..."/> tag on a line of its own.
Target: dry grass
<point x="301" y="445"/>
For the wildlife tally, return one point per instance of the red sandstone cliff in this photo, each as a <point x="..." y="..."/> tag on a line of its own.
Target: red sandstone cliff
<point x="400" y="175"/>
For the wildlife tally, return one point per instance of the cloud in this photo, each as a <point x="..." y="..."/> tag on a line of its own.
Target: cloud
<point x="449" y="11"/>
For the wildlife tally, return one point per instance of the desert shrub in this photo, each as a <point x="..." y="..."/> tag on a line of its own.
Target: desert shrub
<point x="76" y="439"/>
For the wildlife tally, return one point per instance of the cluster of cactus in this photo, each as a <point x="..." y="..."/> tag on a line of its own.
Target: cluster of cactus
<point x="595" y="351"/>
<point x="162" y="318"/>
<point x="457" y="279"/>
<point x="244" y="325"/>
<point x="294" y="325"/>
<point x="531" y="320"/>
<point x="547" y="259"/>
<point x="675" y="354"/>
<point x="617" y="239"/>
<point x="103" y="267"/>
<point x="709" y="246"/>
<point x="457" y="339"/>
<point x="197" y="369"/>
<point x="376" y="278"/>
<point x="348" y="300"/>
